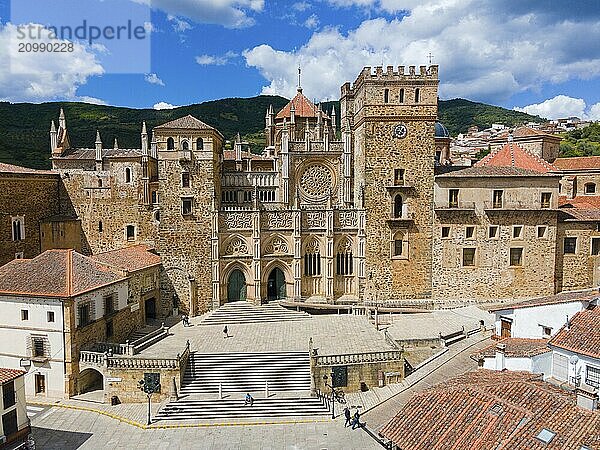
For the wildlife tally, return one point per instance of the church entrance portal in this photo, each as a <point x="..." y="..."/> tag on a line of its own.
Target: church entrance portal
<point x="276" y="289"/>
<point x="236" y="286"/>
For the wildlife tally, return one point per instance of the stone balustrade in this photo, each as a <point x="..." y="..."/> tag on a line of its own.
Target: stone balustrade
<point x="94" y="358"/>
<point x="359" y="358"/>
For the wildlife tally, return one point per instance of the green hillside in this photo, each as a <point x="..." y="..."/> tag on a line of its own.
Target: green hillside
<point x="583" y="142"/>
<point x="24" y="138"/>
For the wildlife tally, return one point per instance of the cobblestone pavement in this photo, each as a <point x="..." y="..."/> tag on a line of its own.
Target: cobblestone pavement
<point x="65" y="429"/>
<point x="331" y="335"/>
<point x="456" y="361"/>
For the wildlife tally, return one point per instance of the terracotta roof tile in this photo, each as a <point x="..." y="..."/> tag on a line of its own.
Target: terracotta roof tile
<point x="56" y="273"/>
<point x="583" y="208"/>
<point x="10" y="168"/>
<point x="494" y="171"/>
<point x="578" y="163"/>
<point x="7" y="375"/>
<point x="524" y="132"/>
<point x="132" y="258"/>
<point x="188" y="122"/>
<point x="516" y="348"/>
<point x="562" y="297"/>
<point x="303" y="106"/>
<point x="583" y="334"/>
<point x="512" y="155"/>
<point x="486" y="410"/>
<point x="580" y="202"/>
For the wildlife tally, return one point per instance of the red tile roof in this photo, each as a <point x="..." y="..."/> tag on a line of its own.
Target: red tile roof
<point x="583" y="334"/>
<point x="488" y="410"/>
<point x="10" y="168"/>
<point x="56" y="273"/>
<point x="578" y="163"/>
<point x="7" y="375"/>
<point x="516" y="348"/>
<point x="562" y="297"/>
<point x="304" y="108"/>
<point x="494" y="171"/>
<point x="580" y="202"/>
<point x="132" y="258"/>
<point x="524" y="132"/>
<point x="511" y="155"/>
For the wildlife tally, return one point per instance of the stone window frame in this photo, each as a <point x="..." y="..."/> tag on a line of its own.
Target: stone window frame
<point x="545" y="234"/>
<point x="521" y="256"/>
<point x="170" y="143"/>
<point x="452" y="201"/>
<point x="185" y="211"/>
<point x="185" y="145"/>
<point x="399" y="175"/>
<point x="473" y="233"/>
<point x="475" y="256"/>
<point x="405" y="235"/>
<point x="17" y="226"/>
<point x="498" y="198"/>
<point x="50" y="316"/>
<point x="126" y="232"/>
<point x="91" y="313"/>
<point x="589" y="188"/>
<point x="546" y="200"/>
<point x="449" y="229"/>
<point x="19" y="255"/>
<point x="128" y="175"/>
<point x="521" y="234"/>
<point x="24" y="315"/>
<point x="595" y="251"/>
<point x="574" y="238"/>
<point x="497" y="235"/>
<point x="186" y="179"/>
<point x="200" y="141"/>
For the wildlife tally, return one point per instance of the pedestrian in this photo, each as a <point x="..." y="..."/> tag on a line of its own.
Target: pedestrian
<point x="356" y="420"/>
<point x="186" y="321"/>
<point x="226" y="334"/>
<point x="248" y="400"/>
<point x="347" y="416"/>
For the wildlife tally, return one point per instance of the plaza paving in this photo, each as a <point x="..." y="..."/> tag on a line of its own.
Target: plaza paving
<point x="332" y="334"/>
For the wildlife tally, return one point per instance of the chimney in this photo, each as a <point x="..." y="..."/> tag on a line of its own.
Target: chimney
<point x="98" y="145"/>
<point x="500" y="356"/>
<point x="587" y="397"/>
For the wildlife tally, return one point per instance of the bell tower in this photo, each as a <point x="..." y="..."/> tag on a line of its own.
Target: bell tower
<point x="392" y="116"/>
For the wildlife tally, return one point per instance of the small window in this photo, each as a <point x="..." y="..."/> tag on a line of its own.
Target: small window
<point x="398" y="206"/>
<point x="445" y="232"/>
<point x="154" y="197"/>
<point x="541" y="231"/>
<point x="453" y="198"/>
<point x="170" y="144"/>
<point x="592" y="376"/>
<point x="590" y="188"/>
<point x="18" y="228"/>
<point x="186" y="206"/>
<point x="595" y="246"/>
<point x="19" y="255"/>
<point x="401" y="96"/>
<point x="40" y="383"/>
<point x="185" y="179"/>
<point x="127" y="175"/>
<point x="37" y="347"/>
<point x="469" y="232"/>
<point x="8" y="398"/>
<point x="516" y="257"/>
<point x="84" y="314"/>
<point x="50" y="316"/>
<point x="546" y="332"/>
<point x="468" y="257"/>
<point x="570" y="245"/>
<point x="199" y="144"/>
<point x="109" y="305"/>
<point x="398" y="177"/>
<point x="99" y="182"/>
<point x="497" y="199"/>
<point x="517" y="232"/>
<point x="100" y="227"/>
<point x="546" y="199"/>
<point x="386" y="96"/>
<point x="398" y="244"/>
<point x="130" y="232"/>
<point x="24" y="314"/>
<point x="493" y="232"/>
<point x="417" y="95"/>
<point x="109" y="329"/>
<point x="185" y="146"/>
<point x="546" y="435"/>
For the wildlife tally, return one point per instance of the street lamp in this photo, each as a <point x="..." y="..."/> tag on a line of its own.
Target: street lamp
<point x="150" y="384"/>
<point x="332" y="393"/>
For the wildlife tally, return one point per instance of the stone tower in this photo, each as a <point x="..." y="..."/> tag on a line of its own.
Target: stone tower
<point x="391" y="116"/>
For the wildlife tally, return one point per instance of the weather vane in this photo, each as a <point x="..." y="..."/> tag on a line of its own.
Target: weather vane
<point x="430" y="56"/>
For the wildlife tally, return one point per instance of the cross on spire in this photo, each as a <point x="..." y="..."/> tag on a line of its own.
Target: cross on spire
<point x="430" y="57"/>
<point x="299" y="78"/>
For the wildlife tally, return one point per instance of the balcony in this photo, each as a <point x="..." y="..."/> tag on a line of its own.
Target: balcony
<point x="515" y="206"/>
<point x="185" y="155"/>
<point x="407" y="216"/>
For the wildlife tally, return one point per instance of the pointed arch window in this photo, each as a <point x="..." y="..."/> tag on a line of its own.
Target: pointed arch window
<point x="199" y="144"/>
<point x="170" y="144"/>
<point x="401" y="96"/>
<point x="344" y="261"/>
<point x="185" y="146"/>
<point x="312" y="259"/>
<point x="18" y="228"/>
<point x="398" y="204"/>
<point x="399" y="245"/>
<point x="128" y="175"/>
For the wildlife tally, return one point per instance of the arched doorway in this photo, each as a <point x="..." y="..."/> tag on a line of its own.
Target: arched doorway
<point x="276" y="289"/>
<point x="90" y="380"/>
<point x="236" y="286"/>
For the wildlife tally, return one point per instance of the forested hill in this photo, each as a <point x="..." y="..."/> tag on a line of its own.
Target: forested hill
<point x="24" y="127"/>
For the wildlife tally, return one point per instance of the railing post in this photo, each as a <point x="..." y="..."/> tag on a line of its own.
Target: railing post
<point x="220" y="390"/>
<point x="266" y="388"/>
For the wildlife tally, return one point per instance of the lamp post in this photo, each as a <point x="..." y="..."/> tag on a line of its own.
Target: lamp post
<point x="150" y="384"/>
<point x="332" y="394"/>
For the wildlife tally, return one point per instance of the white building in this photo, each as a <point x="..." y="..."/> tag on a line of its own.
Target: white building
<point x="516" y="354"/>
<point x="14" y="424"/>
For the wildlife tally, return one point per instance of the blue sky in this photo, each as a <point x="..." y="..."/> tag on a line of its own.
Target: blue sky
<point x="542" y="56"/>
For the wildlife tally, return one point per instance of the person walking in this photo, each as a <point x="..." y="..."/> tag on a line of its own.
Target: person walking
<point x="347" y="416"/>
<point x="226" y="334"/>
<point x="248" y="400"/>
<point x="356" y="420"/>
<point x="184" y="319"/>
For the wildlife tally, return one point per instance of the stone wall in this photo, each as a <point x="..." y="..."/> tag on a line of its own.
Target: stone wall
<point x="367" y="373"/>
<point x="125" y="384"/>
<point x="582" y="269"/>
<point x="32" y="196"/>
<point x="61" y="233"/>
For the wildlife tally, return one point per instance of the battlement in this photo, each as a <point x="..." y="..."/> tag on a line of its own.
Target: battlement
<point x="400" y="74"/>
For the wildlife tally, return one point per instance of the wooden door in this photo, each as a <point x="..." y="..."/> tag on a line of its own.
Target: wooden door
<point x="505" y="331"/>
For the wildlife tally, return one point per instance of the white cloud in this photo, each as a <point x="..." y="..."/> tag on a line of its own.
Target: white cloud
<point x="563" y="106"/>
<point x="43" y="76"/>
<point x="164" y="105"/>
<point x="215" y="60"/>
<point x="179" y="25"/>
<point x="92" y="100"/>
<point x="301" y="6"/>
<point x="486" y="50"/>
<point x="229" y="13"/>
<point x="312" y="22"/>
<point x="152" y="78"/>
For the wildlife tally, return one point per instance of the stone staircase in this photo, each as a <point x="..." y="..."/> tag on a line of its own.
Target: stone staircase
<point x="230" y="408"/>
<point x="244" y="312"/>
<point x="246" y="372"/>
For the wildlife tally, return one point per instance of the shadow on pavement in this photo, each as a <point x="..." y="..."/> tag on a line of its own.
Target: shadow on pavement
<point x="49" y="439"/>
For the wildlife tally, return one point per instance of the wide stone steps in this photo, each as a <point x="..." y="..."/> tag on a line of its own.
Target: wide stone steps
<point x="244" y="312"/>
<point x="289" y="407"/>
<point x="247" y="372"/>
